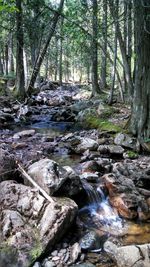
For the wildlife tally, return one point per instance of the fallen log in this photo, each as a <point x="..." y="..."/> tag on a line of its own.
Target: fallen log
<point x="26" y="175"/>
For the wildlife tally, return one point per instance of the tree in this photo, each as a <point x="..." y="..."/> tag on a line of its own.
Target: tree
<point x="20" y="81"/>
<point x="95" y="86"/>
<point x="140" y="117"/>
<point x="41" y="55"/>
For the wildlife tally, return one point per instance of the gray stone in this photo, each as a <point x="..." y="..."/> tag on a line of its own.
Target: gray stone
<point x="125" y="141"/>
<point x="86" y="144"/>
<point x="25" y="133"/>
<point x="48" y="174"/>
<point x="7" y="165"/>
<point x="75" y="252"/>
<point x="90" y="241"/>
<point x="111" y="149"/>
<point x="29" y="223"/>
<point x="83" y="265"/>
<point x="49" y="264"/>
<point x="128" y="256"/>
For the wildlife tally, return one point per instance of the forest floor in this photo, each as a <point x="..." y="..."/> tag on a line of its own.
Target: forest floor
<point x="103" y="171"/>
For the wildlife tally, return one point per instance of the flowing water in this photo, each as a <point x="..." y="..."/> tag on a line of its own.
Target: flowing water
<point x="99" y="211"/>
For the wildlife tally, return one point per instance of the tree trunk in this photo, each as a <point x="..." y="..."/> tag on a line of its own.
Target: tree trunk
<point x="6" y="58"/>
<point x="20" y="83"/>
<point x="115" y="55"/>
<point x="56" y="58"/>
<point x="123" y="53"/>
<point x="10" y="54"/>
<point x="95" y="86"/>
<point x="61" y="51"/>
<point x="42" y="54"/>
<point x="104" y="51"/>
<point x="140" y="117"/>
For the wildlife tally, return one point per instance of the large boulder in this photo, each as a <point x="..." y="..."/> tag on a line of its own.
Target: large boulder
<point x="128" y="256"/>
<point x="125" y="197"/>
<point x="48" y="174"/>
<point x="126" y="141"/>
<point x="29" y="224"/>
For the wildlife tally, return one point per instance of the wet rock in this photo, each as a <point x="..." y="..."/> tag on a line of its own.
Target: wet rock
<point x="89" y="176"/>
<point x="7" y="165"/>
<point x="111" y="150"/>
<point x="128" y="256"/>
<point x="30" y="223"/>
<point x="90" y="241"/>
<point x="24" y="133"/>
<point x="72" y="185"/>
<point x="91" y="166"/>
<point x="48" y="174"/>
<point x="125" y="197"/>
<point x="126" y="141"/>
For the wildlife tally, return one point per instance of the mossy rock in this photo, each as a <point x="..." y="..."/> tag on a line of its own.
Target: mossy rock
<point x="103" y="125"/>
<point x="132" y="154"/>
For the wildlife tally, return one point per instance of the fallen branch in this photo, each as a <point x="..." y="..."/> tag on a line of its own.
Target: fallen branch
<point x="25" y="175"/>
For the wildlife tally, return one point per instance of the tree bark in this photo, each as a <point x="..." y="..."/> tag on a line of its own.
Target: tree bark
<point x="123" y="53"/>
<point x="95" y="87"/>
<point x="20" y="82"/>
<point x="61" y="51"/>
<point x="140" y="117"/>
<point x="42" y="54"/>
<point x="104" y="52"/>
<point x="115" y="56"/>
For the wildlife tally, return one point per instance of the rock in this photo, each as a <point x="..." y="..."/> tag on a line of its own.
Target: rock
<point x="37" y="264"/>
<point x="49" y="264"/>
<point x="128" y="256"/>
<point x="83" y="265"/>
<point x="29" y="223"/>
<point x="85" y="144"/>
<point x="25" y="133"/>
<point x="125" y="197"/>
<point x="72" y="186"/>
<point x="89" y="176"/>
<point x="112" y="150"/>
<point x="75" y="252"/>
<point x="126" y="141"/>
<point x="90" y="241"/>
<point x="48" y="174"/>
<point x="7" y="165"/>
<point x="91" y="166"/>
<point x="9" y="257"/>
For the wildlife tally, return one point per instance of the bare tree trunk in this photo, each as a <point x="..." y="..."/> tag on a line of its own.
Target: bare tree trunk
<point x="1" y="67"/>
<point x="10" y="54"/>
<point x="56" y="57"/>
<point x="104" y="52"/>
<point x="95" y="86"/>
<point x="61" y="51"/>
<point x="6" y="58"/>
<point x="123" y="52"/>
<point x="20" y="83"/>
<point x="25" y="63"/>
<point x="115" y="56"/>
<point x="42" y="54"/>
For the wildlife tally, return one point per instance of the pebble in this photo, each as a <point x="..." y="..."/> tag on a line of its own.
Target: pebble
<point x="54" y="253"/>
<point x="56" y="258"/>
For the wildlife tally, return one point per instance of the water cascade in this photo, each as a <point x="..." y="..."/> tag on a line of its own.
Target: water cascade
<point x="98" y="213"/>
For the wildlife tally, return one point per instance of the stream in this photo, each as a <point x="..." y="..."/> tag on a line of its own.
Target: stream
<point x="111" y="191"/>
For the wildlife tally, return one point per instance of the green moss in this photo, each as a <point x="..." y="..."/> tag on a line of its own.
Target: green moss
<point x="102" y="124"/>
<point x="132" y="154"/>
<point x="36" y="252"/>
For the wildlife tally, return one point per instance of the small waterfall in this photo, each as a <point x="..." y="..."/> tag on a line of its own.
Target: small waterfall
<point x="100" y="209"/>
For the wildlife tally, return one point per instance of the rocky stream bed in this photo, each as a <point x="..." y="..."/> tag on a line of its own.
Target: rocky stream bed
<point x="98" y="183"/>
